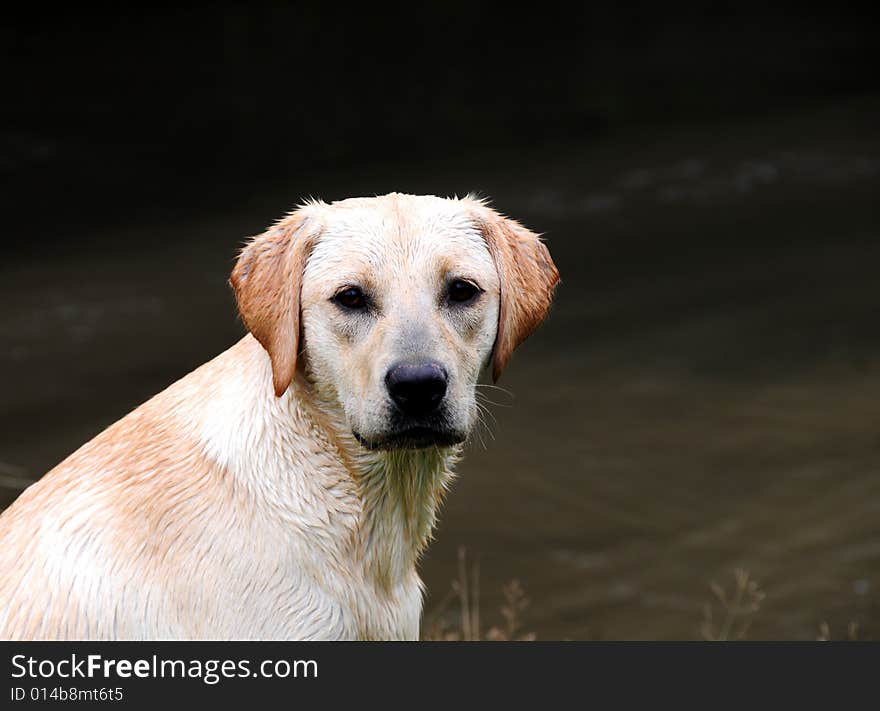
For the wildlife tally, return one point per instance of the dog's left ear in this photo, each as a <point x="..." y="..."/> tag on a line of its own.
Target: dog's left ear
<point x="267" y="279"/>
<point x="528" y="279"/>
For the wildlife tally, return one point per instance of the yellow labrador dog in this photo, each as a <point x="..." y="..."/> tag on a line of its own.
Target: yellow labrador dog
<point x="286" y="489"/>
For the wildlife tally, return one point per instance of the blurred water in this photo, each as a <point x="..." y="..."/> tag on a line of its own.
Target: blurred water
<point x="704" y="396"/>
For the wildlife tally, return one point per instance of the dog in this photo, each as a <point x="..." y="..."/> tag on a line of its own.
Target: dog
<point x="287" y="488"/>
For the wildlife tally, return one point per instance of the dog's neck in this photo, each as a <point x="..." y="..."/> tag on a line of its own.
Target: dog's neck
<point x="376" y="508"/>
<point x="399" y="492"/>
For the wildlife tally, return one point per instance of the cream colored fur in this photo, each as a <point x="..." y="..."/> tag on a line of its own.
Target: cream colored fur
<point x="237" y="503"/>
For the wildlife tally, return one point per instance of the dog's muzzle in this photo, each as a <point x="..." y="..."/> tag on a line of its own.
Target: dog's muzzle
<point x="418" y="417"/>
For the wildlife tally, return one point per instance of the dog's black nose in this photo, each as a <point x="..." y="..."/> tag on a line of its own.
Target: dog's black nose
<point x="416" y="389"/>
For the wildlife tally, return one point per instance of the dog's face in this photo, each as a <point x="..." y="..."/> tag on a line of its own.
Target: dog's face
<point x="392" y="306"/>
<point x="399" y="313"/>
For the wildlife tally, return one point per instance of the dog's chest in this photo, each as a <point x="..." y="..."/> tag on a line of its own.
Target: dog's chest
<point x="325" y="578"/>
<point x="335" y="539"/>
<point x="336" y="605"/>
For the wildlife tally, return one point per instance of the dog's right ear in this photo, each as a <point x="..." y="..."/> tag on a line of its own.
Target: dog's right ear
<point x="267" y="280"/>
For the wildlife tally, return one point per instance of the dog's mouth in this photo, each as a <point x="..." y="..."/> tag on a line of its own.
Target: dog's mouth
<point x="412" y="438"/>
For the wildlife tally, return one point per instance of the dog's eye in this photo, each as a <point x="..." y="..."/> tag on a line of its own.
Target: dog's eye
<point x="351" y="298"/>
<point x="461" y="291"/>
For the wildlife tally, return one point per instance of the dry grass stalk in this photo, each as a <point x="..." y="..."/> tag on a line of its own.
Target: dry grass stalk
<point x="738" y="609"/>
<point x="466" y="589"/>
<point x="852" y="632"/>
<point x="515" y="604"/>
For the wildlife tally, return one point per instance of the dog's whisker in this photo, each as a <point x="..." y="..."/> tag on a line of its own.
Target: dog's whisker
<point x="482" y="408"/>
<point x="482" y="419"/>
<point x="483" y="423"/>
<point x="492" y="402"/>
<point x="497" y="387"/>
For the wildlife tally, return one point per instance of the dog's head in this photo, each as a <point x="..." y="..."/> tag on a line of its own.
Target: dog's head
<point x="392" y="306"/>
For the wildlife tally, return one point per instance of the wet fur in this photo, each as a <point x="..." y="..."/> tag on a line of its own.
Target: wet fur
<point x="237" y="503"/>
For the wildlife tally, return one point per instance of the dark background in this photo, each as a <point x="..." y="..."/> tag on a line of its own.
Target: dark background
<point x="110" y="110"/>
<point x="704" y="395"/>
